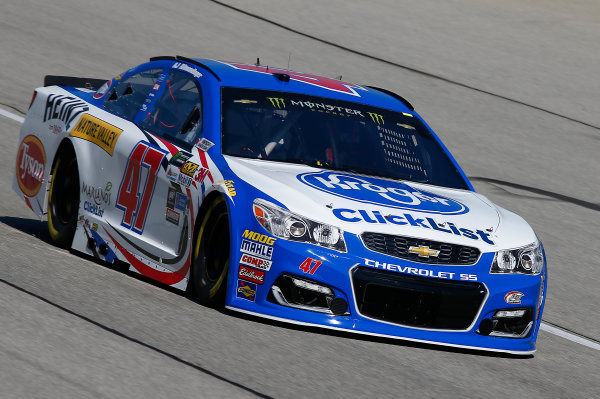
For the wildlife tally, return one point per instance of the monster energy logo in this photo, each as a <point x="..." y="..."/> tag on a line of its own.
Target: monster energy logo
<point x="377" y="118"/>
<point x="277" y="102"/>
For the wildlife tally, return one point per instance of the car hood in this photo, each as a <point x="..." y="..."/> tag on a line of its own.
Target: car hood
<point x="360" y="203"/>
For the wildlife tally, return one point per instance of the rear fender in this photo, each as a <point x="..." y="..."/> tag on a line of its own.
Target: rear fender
<point x="44" y="129"/>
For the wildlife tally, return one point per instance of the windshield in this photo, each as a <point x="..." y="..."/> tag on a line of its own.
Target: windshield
<point x="333" y="134"/>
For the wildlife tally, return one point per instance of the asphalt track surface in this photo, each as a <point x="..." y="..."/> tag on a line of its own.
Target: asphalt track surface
<point x="512" y="88"/>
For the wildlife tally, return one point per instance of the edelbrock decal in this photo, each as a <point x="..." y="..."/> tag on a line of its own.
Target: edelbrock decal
<point x="381" y="192"/>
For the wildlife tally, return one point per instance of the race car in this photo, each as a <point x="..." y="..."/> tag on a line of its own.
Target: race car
<point x="284" y="195"/>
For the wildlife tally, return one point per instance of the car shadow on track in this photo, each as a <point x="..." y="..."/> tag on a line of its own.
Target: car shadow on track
<point x="39" y="230"/>
<point x="31" y="227"/>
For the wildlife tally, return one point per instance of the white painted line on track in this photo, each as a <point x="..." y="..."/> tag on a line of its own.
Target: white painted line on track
<point x="12" y="116"/>
<point x="569" y="336"/>
<point x="543" y="326"/>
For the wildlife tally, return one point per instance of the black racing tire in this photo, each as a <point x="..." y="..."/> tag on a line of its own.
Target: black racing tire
<point x="210" y="262"/>
<point x="63" y="198"/>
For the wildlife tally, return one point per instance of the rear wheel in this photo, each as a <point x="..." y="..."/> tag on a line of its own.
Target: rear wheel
<point x="63" y="199"/>
<point x="211" y="255"/>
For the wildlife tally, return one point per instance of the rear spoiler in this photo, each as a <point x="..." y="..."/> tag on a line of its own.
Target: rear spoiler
<point x="88" y="83"/>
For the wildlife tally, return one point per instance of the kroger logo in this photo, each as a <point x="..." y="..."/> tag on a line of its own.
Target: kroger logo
<point x="381" y="192"/>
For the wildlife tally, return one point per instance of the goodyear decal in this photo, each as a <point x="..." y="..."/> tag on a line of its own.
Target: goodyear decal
<point x="101" y="133"/>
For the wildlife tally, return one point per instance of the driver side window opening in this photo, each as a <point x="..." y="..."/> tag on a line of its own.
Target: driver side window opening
<point x="127" y="96"/>
<point x="177" y="112"/>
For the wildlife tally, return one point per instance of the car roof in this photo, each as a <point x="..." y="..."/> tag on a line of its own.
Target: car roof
<point x="233" y="74"/>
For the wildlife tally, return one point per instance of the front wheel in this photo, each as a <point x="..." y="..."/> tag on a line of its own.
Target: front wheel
<point x="211" y="255"/>
<point x="63" y="199"/>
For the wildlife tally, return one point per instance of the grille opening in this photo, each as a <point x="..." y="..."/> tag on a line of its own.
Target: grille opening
<point x="417" y="301"/>
<point x="398" y="247"/>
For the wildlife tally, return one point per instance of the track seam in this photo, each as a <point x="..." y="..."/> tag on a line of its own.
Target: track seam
<point x="405" y="67"/>
<point x="563" y="198"/>
<point x="136" y="341"/>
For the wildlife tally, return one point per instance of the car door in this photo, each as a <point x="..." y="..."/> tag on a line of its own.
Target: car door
<point x="135" y="167"/>
<point x="172" y="120"/>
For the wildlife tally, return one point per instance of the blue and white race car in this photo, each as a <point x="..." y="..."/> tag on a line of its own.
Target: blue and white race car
<point x="283" y="195"/>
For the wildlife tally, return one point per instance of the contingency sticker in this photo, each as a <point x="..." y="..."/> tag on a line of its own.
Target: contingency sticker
<point x="246" y="290"/>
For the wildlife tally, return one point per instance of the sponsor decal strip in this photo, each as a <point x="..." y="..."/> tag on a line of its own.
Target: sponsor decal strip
<point x="362" y="215"/>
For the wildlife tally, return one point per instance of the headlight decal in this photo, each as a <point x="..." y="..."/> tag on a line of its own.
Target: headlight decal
<point x="289" y="226"/>
<point x="524" y="260"/>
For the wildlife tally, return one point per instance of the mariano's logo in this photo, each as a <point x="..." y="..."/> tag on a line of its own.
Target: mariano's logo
<point x="381" y="192"/>
<point x="31" y="163"/>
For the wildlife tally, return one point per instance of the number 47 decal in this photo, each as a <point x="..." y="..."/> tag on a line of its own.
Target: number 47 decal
<point x="306" y="265"/>
<point x="135" y="209"/>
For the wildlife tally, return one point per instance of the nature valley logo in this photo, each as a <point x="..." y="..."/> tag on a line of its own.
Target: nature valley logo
<point x="31" y="163"/>
<point x="101" y="133"/>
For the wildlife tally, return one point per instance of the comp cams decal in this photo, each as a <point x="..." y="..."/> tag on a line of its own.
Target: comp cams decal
<point x="31" y="163"/>
<point x="256" y="262"/>
<point x="381" y="192"/>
